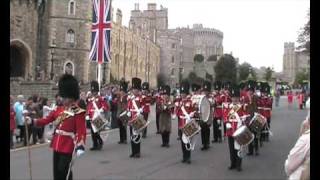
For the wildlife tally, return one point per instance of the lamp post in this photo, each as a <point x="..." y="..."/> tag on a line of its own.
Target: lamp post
<point x="52" y="55"/>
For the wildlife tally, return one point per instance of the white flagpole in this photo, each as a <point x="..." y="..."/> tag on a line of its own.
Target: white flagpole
<point x="99" y="75"/>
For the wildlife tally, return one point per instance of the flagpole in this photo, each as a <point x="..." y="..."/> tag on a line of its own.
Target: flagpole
<point x="99" y="75"/>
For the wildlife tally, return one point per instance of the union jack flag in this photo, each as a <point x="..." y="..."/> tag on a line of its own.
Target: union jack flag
<point x="101" y="31"/>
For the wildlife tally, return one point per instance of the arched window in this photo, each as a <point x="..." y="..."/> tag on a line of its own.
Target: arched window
<point x="70" y="37"/>
<point x="172" y="72"/>
<point x="172" y="59"/>
<point x="68" y="68"/>
<point x="72" y="7"/>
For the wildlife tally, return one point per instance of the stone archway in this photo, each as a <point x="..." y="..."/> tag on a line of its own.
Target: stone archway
<point x="20" y="59"/>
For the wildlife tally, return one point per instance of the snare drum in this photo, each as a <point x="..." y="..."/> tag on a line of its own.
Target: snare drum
<point x="98" y="121"/>
<point x="124" y="118"/>
<point x="243" y="136"/>
<point x="203" y="106"/>
<point x="257" y="123"/>
<point x="191" y="129"/>
<point x="139" y="123"/>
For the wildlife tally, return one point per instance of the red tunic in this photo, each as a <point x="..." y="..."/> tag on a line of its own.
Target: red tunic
<point x="100" y="102"/>
<point x="218" y="109"/>
<point x="147" y="99"/>
<point x="72" y="124"/>
<point x="12" y="119"/>
<point x="267" y="104"/>
<point x="187" y="104"/>
<point x="233" y="122"/>
<point x="131" y="108"/>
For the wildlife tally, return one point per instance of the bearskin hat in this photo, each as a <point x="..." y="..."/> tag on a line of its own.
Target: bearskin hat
<point x="69" y="87"/>
<point x="217" y="85"/>
<point x="195" y="87"/>
<point x="226" y="85"/>
<point x="206" y="86"/>
<point x="251" y="85"/>
<point x="184" y="88"/>
<point x="145" y="86"/>
<point x="123" y="86"/>
<point x="166" y="90"/>
<point x="136" y="83"/>
<point x="94" y="86"/>
<point x="235" y="91"/>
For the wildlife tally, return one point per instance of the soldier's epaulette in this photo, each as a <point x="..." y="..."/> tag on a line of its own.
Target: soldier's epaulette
<point x="78" y="110"/>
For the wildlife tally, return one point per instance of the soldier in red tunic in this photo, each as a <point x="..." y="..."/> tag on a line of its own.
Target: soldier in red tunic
<point x="217" y="114"/>
<point x="122" y="106"/>
<point x="266" y="109"/>
<point x="134" y="108"/>
<point x="147" y="99"/>
<point x="70" y="132"/>
<point x="184" y="117"/>
<point x="95" y="103"/>
<point x="158" y="110"/>
<point x="205" y="126"/>
<point x="233" y="122"/>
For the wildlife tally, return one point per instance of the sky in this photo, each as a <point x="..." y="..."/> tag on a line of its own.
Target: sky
<point x="254" y="30"/>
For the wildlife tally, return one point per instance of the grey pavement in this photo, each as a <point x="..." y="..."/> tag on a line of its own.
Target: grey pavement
<point x="156" y="162"/>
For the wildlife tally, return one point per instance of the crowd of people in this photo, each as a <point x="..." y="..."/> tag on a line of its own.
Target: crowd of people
<point x="239" y="112"/>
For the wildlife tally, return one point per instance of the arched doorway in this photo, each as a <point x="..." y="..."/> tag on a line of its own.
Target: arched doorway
<point x="20" y="56"/>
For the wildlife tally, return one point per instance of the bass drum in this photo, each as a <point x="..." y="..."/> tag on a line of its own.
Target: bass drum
<point x="203" y="107"/>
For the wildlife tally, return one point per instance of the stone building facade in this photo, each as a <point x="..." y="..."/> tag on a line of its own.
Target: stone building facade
<point x="50" y="38"/>
<point x="294" y="62"/>
<point x="180" y="45"/>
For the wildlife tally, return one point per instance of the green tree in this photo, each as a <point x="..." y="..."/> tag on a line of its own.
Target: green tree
<point x="268" y="74"/>
<point x="244" y="70"/>
<point x="226" y="68"/>
<point x="300" y="77"/>
<point x="198" y="58"/>
<point x="304" y="36"/>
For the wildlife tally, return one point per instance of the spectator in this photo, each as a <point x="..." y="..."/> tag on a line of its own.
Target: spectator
<point x="290" y="99"/>
<point x="297" y="161"/>
<point x="12" y="122"/>
<point x="300" y="98"/>
<point x="277" y="95"/>
<point x="82" y="100"/>
<point x="36" y="108"/>
<point x="18" y="109"/>
<point x="28" y="112"/>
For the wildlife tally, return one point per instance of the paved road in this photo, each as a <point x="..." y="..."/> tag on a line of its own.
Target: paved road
<point x="113" y="161"/>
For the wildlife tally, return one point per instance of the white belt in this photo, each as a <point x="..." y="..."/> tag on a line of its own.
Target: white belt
<point x="64" y="133"/>
<point x="264" y="108"/>
<point x="218" y="106"/>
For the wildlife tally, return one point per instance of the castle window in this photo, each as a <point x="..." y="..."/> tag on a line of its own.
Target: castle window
<point x="172" y="72"/>
<point x="173" y="45"/>
<point x="72" y="9"/>
<point x="70" y="36"/>
<point x="172" y="59"/>
<point x="68" y="68"/>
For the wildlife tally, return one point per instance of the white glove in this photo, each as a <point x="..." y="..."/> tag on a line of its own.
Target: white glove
<point x="188" y="118"/>
<point x="87" y="117"/>
<point x="129" y="114"/>
<point x="140" y="111"/>
<point x="218" y="121"/>
<point x="80" y="152"/>
<point x="228" y="126"/>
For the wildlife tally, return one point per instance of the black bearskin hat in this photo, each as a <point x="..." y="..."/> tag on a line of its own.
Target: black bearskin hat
<point x="136" y="83"/>
<point x="251" y="85"/>
<point x="206" y="86"/>
<point x="160" y="88"/>
<point x="265" y="88"/>
<point x="123" y="86"/>
<point x="184" y="88"/>
<point x="69" y="87"/>
<point x="145" y="86"/>
<point x="217" y="85"/>
<point x="227" y="85"/>
<point x="166" y="90"/>
<point x="94" y="86"/>
<point x="235" y="91"/>
<point x="195" y="87"/>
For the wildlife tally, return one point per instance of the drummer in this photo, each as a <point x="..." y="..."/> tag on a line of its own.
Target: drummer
<point x="232" y="124"/>
<point x="217" y="121"/>
<point x="205" y="126"/>
<point x="186" y="104"/>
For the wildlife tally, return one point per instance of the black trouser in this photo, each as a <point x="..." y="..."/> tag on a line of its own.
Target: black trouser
<point x="205" y="134"/>
<point x="122" y="131"/>
<point x="37" y="133"/>
<point x="114" y="119"/>
<point x="96" y="139"/>
<point x="11" y="139"/>
<point x="234" y="158"/>
<point x="157" y="121"/>
<point x="22" y="132"/>
<point x="186" y="153"/>
<point x="216" y="129"/>
<point x="145" y="116"/>
<point x="135" y="148"/>
<point x="254" y="145"/>
<point x="165" y="137"/>
<point x="61" y="162"/>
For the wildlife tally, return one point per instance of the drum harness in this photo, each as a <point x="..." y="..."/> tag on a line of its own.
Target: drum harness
<point x="135" y="134"/>
<point x="97" y="110"/>
<point x="190" y="144"/>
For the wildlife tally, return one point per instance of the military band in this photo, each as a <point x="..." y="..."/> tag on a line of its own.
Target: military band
<point x="231" y="108"/>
